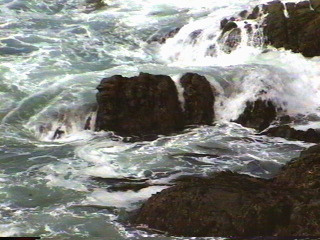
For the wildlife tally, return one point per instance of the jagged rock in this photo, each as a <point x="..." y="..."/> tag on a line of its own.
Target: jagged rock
<point x="275" y="25"/>
<point x="230" y="204"/>
<point x="162" y="38"/>
<point x="298" y="31"/>
<point x="231" y="40"/>
<point x="223" y="205"/>
<point x="258" y="115"/>
<point x="231" y="35"/>
<point x="290" y="133"/>
<point x="148" y="104"/>
<point x="198" y="99"/>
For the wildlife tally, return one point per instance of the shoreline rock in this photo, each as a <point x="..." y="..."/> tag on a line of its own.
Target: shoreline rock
<point x="231" y="204"/>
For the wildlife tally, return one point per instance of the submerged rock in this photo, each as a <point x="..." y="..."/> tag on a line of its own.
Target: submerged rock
<point x="230" y="204"/>
<point x="258" y="115"/>
<point x="148" y="104"/>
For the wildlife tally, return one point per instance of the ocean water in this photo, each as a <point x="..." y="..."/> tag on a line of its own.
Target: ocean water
<point x="53" y="55"/>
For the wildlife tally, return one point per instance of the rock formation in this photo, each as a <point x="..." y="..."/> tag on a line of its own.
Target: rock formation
<point x="148" y="104"/>
<point x="231" y="204"/>
<point x="162" y="38"/>
<point x="298" y="31"/>
<point x="287" y="132"/>
<point x="198" y="99"/>
<point x="258" y="115"/>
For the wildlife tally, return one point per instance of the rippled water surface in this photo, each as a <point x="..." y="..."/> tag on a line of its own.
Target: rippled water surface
<point x="53" y="55"/>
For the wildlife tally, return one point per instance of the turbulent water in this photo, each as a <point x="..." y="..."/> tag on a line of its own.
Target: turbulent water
<point x="53" y="55"/>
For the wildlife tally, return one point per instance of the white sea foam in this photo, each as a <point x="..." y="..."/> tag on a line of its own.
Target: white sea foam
<point x="120" y="199"/>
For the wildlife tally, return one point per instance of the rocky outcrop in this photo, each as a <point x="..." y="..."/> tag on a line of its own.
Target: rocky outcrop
<point x="198" y="99"/>
<point x="258" y="115"/>
<point x="230" y="204"/>
<point x="287" y="132"/>
<point x="297" y="31"/>
<point x="148" y="104"/>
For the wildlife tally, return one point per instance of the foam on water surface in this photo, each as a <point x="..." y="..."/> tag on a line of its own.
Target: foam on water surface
<point x="53" y="55"/>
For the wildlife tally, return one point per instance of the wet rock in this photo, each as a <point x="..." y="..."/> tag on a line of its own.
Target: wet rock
<point x="198" y="99"/>
<point x="275" y="29"/>
<point x="231" y="40"/>
<point x="303" y="172"/>
<point x="229" y="26"/>
<point x="223" y="22"/>
<point x="258" y="115"/>
<point x="148" y="105"/>
<point x="93" y="5"/>
<point x="231" y="204"/>
<point x="315" y="4"/>
<point x="287" y="132"/>
<point x="223" y="205"/>
<point x="243" y="14"/>
<point x="162" y="38"/>
<point x="255" y="13"/>
<point x="298" y="31"/>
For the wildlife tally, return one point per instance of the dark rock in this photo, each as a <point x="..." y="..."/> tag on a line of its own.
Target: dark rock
<point x="315" y="4"/>
<point x="88" y="123"/>
<point x="223" y="23"/>
<point x="164" y="37"/>
<point x="258" y="115"/>
<point x="303" y="172"/>
<point x="229" y="26"/>
<point x="311" y="150"/>
<point x="276" y="25"/>
<point x="92" y="5"/>
<point x="290" y="133"/>
<point x="243" y="14"/>
<point x="223" y="205"/>
<point x="198" y="99"/>
<point x="147" y="104"/>
<point x="230" y="204"/>
<point x="255" y="13"/>
<point x="230" y="40"/>
<point x="58" y="133"/>
<point x="298" y="32"/>
<point x="195" y="33"/>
